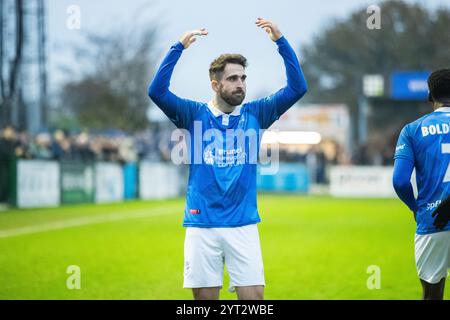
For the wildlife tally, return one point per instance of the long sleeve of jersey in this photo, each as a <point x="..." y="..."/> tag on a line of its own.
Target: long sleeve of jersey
<point x="403" y="169"/>
<point x="271" y="108"/>
<point x="180" y="111"/>
<point x="296" y="84"/>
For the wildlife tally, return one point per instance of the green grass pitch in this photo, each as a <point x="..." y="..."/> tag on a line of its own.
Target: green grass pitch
<point x="313" y="248"/>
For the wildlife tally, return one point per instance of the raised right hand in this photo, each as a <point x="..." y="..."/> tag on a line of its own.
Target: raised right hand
<point x="189" y="37"/>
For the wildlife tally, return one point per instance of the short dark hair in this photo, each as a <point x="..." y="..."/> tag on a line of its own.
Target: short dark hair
<point x="439" y="85"/>
<point x="218" y="65"/>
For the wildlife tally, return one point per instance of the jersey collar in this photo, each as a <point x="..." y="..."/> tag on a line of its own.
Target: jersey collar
<point x="443" y="109"/>
<point x="217" y="113"/>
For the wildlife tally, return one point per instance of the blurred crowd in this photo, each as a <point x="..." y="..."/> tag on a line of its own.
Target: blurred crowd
<point x="85" y="146"/>
<point x="156" y="145"/>
<point x="378" y="150"/>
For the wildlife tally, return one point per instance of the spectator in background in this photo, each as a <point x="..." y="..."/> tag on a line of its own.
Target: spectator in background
<point x="40" y="147"/>
<point x="8" y="142"/>
<point x="81" y="149"/>
<point x="23" y="142"/>
<point x="127" y="150"/>
<point x="110" y="150"/>
<point x="321" y="163"/>
<point x="360" y="155"/>
<point x="60" y="146"/>
<point x="7" y="150"/>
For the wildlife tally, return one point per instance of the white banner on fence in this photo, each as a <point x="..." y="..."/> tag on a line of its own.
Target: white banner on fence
<point x="361" y="181"/>
<point x="158" y="180"/>
<point x="37" y="184"/>
<point x="108" y="182"/>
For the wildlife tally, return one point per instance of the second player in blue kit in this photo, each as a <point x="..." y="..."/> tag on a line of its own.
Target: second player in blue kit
<point x="425" y="145"/>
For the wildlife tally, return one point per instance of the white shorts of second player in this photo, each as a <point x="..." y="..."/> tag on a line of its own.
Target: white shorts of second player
<point x="432" y="253"/>
<point x="207" y="250"/>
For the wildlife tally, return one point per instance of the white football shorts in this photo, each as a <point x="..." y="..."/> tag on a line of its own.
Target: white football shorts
<point x="432" y="253"/>
<point x="207" y="250"/>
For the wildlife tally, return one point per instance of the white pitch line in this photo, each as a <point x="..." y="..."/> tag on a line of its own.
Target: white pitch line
<point x="97" y="219"/>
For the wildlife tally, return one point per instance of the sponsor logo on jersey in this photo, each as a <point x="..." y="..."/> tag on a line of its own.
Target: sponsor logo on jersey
<point x="400" y="147"/>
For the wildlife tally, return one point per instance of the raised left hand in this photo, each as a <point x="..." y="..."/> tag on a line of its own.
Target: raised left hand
<point x="270" y="28"/>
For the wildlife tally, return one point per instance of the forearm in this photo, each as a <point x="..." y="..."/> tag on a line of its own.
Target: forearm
<point x="159" y="88"/>
<point x="401" y="180"/>
<point x="406" y="194"/>
<point x="296" y="86"/>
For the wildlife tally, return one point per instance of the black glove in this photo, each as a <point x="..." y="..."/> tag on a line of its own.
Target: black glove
<point x="442" y="214"/>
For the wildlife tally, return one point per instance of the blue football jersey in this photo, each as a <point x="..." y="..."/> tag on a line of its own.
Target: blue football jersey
<point x="223" y="147"/>
<point x="426" y="142"/>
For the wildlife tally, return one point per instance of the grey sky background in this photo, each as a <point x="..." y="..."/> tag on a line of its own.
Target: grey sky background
<point x="230" y="23"/>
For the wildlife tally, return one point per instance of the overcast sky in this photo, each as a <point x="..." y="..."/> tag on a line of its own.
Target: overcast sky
<point x="231" y="27"/>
